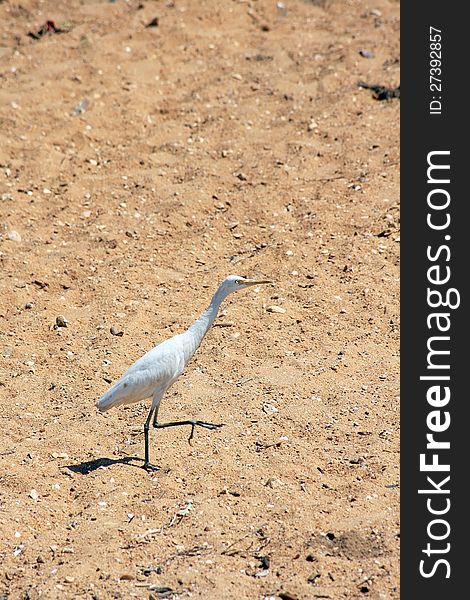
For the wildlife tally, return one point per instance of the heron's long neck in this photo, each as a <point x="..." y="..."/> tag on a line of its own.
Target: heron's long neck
<point x="201" y="326"/>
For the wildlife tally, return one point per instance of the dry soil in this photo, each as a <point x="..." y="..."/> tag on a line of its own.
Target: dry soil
<point x="139" y="166"/>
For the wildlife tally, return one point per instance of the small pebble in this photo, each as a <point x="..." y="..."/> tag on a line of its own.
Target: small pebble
<point x="288" y="596"/>
<point x="61" y="321"/>
<point x="185" y="510"/>
<point x="69" y="579"/>
<point x="81" y="106"/>
<point x="276" y="309"/>
<point x="272" y="482"/>
<point x="114" y="331"/>
<point x="152" y="23"/>
<point x="34" y="495"/>
<point x="63" y="455"/>
<point x="14" y="236"/>
<point x="269" y="409"/>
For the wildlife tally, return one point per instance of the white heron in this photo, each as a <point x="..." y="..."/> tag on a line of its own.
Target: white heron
<point x="152" y="374"/>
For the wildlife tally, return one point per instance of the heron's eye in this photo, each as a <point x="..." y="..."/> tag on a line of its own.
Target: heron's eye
<point x="239" y="281"/>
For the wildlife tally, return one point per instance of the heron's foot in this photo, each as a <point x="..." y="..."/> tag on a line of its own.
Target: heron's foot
<point x="193" y="424"/>
<point x="202" y="424"/>
<point x="150" y="468"/>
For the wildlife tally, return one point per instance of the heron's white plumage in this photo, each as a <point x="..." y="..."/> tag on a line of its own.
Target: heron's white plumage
<point x="152" y="374"/>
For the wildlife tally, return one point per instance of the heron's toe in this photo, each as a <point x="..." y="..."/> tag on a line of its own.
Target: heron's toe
<point x="150" y="468"/>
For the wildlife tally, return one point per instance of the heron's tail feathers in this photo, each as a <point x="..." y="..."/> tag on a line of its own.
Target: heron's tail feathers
<point x="115" y="396"/>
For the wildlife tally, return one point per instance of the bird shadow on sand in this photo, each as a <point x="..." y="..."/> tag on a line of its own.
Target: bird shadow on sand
<point x="84" y="468"/>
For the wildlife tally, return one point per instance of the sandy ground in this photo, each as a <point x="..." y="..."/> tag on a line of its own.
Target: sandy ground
<point x="139" y="166"/>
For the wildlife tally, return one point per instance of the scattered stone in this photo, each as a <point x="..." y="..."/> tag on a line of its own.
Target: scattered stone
<point x="381" y="92"/>
<point x="313" y="578"/>
<point x="224" y="324"/>
<point x="69" y="579"/>
<point x="269" y="409"/>
<point x="126" y="577"/>
<point x="273" y="483"/>
<point x="28" y="305"/>
<point x="153" y="22"/>
<point x="147" y="571"/>
<point x="63" y="455"/>
<point x="310" y="558"/>
<point x="34" y="495"/>
<point x="48" y="27"/>
<point x="276" y="309"/>
<point x="61" y="321"/>
<point x="281" y="8"/>
<point x="288" y="596"/>
<point x="260" y="446"/>
<point x="366" y="54"/>
<point x="185" y="510"/>
<point x="162" y="591"/>
<point x="114" y="331"/>
<point x="14" y="236"/>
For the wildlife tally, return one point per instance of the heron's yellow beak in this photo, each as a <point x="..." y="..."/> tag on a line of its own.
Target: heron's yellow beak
<point x="255" y="281"/>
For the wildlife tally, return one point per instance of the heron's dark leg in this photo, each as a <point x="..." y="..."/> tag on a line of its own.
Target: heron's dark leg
<point x="147" y="464"/>
<point x="191" y="422"/>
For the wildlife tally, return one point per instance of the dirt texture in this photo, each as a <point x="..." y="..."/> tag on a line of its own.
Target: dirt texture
<point x="148" y="150"/>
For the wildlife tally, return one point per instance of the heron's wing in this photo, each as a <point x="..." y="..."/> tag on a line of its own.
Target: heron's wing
<point x="154" y="371"/>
